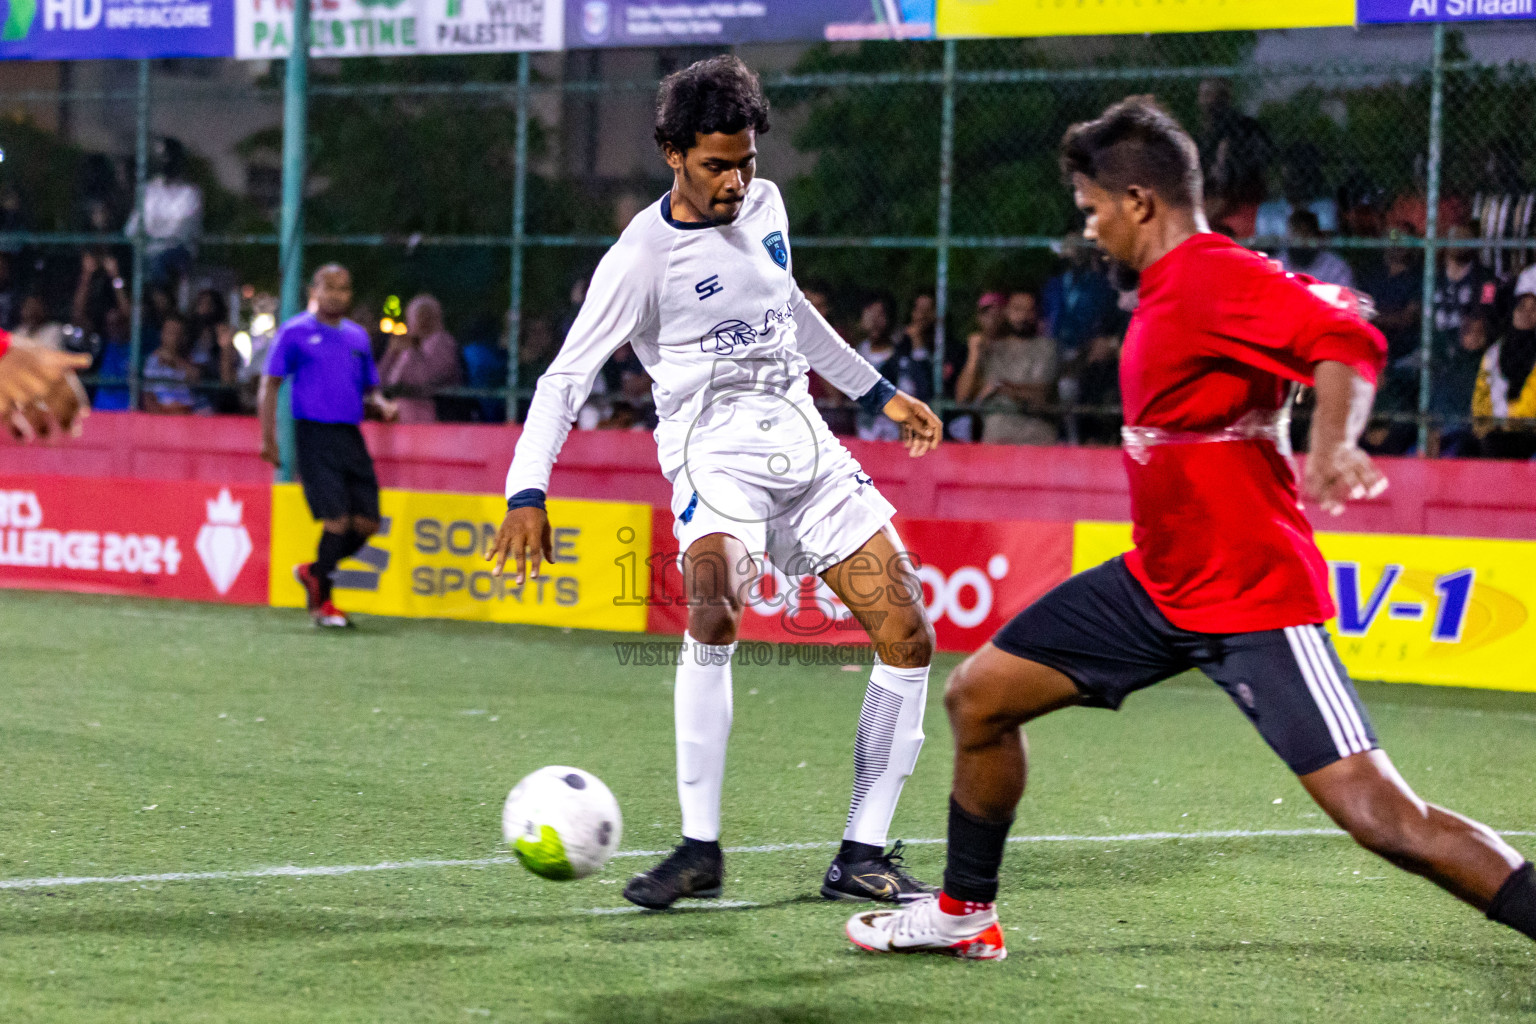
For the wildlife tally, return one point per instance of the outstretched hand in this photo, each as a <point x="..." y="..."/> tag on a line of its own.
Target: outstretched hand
<point x="39" y="392"/>
<point x="525" y="536"/>
<point x="1338" y="474"/>
<point x="921" y="427"/>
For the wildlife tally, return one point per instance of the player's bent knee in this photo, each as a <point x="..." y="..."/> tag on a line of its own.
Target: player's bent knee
<point x="1389" y="827"/>
<point x="715" y="624"/>
<point x="366" y="527"/>
<point x="337" y="526"/>
<point x="909" y="642"/>
<point x="965" y="696"/>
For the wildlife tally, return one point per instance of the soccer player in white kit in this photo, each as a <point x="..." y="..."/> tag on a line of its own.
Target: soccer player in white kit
<point x="701" y="285"/>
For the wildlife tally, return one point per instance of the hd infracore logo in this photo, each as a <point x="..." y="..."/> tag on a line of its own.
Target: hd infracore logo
<point x="19" y="16"/>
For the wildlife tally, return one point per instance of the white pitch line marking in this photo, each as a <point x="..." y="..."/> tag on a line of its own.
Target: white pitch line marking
<point x="334" y="870"/>
<point x="691" y="908"/>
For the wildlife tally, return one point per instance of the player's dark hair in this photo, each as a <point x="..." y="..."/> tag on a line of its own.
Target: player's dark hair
<point x="720" y="94"/>
<point x="1135" y="142"/>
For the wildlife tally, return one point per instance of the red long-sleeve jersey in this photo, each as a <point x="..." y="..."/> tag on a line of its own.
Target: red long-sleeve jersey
<point x="1222" y="545"/>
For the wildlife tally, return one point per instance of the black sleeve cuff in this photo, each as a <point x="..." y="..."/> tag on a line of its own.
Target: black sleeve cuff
<point x="531" y="497"/>
<point x="875" y="398"/>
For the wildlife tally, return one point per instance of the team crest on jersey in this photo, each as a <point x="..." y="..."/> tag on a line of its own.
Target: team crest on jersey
<point x="774" y="243"/>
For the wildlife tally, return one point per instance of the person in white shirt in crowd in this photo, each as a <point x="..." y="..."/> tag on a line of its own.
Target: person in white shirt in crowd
<point x="701" y="287"/>
<point x="171" y="216"/>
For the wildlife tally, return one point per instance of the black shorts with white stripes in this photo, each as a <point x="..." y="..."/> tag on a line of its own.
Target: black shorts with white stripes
<point x="1101" y="630"/>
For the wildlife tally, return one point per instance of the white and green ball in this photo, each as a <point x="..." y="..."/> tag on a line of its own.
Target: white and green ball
<point x="562" y="823"/>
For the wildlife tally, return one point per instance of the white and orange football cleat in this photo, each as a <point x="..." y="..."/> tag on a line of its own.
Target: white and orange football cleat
<point x="921" y="927"/>
<point x="328" y="616"/>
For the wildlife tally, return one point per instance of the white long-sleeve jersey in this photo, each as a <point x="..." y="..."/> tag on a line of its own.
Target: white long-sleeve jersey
<point x="715" y="316"/>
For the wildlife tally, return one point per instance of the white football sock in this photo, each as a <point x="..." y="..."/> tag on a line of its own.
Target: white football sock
<point x="701" y="707"/>
<point x="885" y="749"/>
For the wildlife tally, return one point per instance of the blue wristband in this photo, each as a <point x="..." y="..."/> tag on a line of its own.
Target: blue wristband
<point x="875" y="398"/>
<point x="531" y="497"/>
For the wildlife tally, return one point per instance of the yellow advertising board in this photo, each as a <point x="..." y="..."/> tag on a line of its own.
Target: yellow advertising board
<point x="972" y="18"/>
<point x="1447" y="610"/>
<point x="426" y="561"/>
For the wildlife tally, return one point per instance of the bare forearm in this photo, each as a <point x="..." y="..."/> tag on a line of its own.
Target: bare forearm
<point x="1343" y="405"/>
<point x="966" y="384"/>
<point x="77" y="310"/>
<point x="266" y="404"/>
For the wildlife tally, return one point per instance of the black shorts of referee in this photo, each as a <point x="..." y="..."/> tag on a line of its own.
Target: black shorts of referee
<point x="336" y="470"/>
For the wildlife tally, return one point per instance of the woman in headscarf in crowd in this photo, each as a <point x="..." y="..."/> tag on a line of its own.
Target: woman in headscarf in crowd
<point x="1506" y="387"/>
<point x="420" y="361"/>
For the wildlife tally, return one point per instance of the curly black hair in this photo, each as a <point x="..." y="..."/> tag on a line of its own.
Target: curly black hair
<point x="720" y="94"/>
<point x="1135" y="142"/>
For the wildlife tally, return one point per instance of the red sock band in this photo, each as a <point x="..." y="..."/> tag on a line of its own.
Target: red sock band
<point x="949" y="905"/>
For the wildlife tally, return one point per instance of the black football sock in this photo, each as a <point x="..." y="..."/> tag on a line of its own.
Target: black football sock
<point x="852" y="853"/>
<point x="354" y="543"/>
<point x="706" y="846"/>
<point x="975" y="854"/>
<point x="1515" y="902"/>
<point x="333" y="548"/>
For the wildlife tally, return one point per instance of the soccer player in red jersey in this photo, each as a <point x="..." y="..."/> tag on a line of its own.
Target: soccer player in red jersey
<point x="1225" y="575"/>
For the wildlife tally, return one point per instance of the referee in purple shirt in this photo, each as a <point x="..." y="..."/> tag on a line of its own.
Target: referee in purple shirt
<point x="334" y="378"/>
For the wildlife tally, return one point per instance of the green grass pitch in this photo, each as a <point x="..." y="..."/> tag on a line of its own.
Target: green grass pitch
<point x="149" y="738"/>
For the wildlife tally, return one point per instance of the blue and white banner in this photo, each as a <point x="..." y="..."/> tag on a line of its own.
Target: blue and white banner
<point x="1387" y="12"/>
<point x="592" y="24"/>
<point x="95" y="29"/>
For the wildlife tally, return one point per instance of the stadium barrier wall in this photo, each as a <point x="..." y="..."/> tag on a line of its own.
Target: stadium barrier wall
<point x="179" y="539"/>
<point x="427" y="561"/>
<point x="1440" y="497"/>
<point x="1414" y="607"/>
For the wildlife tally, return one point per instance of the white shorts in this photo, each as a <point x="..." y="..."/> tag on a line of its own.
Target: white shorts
<point x="806" y="512"/>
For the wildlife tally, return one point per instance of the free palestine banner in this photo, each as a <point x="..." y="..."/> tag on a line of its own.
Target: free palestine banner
<point x="390" y="28"/>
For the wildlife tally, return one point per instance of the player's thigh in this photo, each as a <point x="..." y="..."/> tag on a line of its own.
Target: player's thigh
<point x="717" y="567"/>
<point x="717" y="574"/>
<point x="994" y="690"/>
<point x="1292" y="686"/>
<point x="880" y="587"/>
<point x="1100" y="630"/>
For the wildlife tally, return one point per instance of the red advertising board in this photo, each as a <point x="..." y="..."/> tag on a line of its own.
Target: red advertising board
<point x="197" y="542"/>
<point x="976" y="576"/>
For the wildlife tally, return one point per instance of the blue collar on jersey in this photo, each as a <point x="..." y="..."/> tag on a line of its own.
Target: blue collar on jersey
<point x="685" y="225"/>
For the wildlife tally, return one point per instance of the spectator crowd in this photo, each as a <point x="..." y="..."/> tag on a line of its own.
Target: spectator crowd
<point x="1024" y="361"/>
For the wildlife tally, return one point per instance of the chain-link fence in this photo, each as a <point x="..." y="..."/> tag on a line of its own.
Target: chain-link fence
<point x="919" y="177"/>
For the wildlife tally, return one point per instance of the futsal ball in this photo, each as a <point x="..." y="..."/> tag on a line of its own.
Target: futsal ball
<point x="562" y="823"/>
